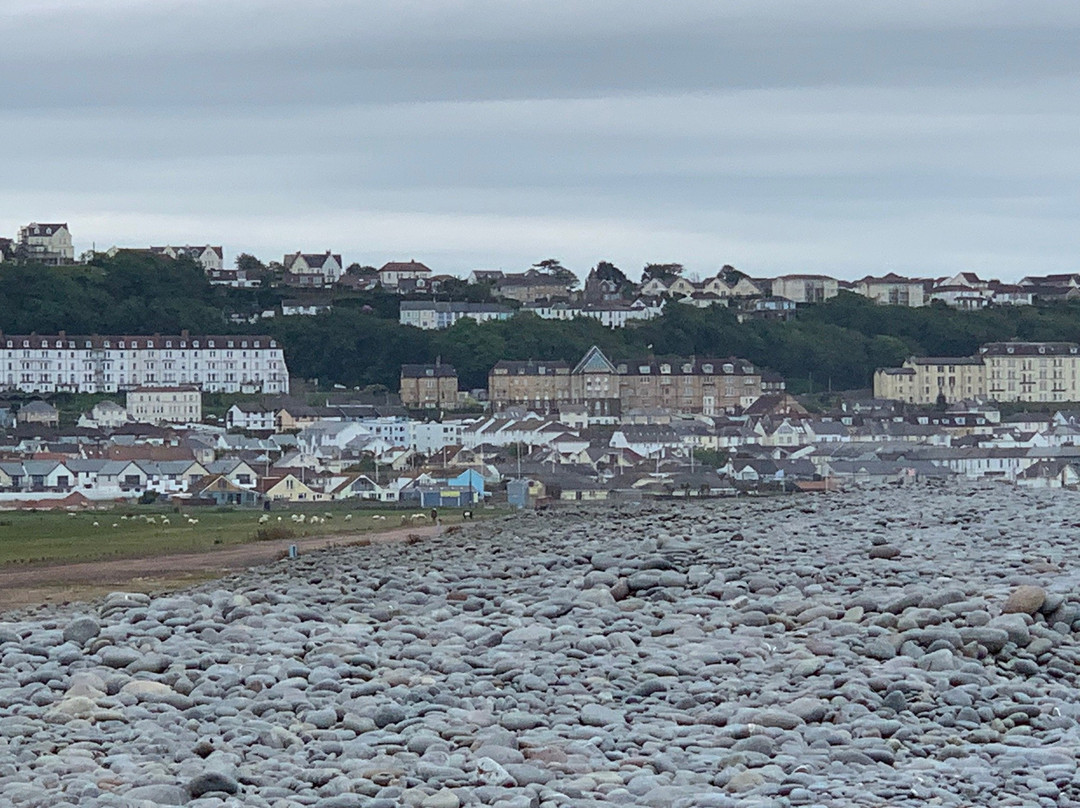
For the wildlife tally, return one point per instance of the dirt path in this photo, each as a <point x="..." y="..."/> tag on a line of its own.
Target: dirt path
<point x="54" y="583"/>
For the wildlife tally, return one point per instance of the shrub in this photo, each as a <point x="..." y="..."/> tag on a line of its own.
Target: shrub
<point x="274" y="533"/>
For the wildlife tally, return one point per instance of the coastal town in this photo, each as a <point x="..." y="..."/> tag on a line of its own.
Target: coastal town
<point x="540" y="431"/>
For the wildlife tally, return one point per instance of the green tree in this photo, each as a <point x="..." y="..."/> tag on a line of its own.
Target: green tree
<point x="665" y="272"/>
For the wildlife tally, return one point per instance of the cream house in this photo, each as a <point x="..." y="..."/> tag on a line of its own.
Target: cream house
<point x="892" y="290"/>
<point x="805" y="288"/>
<point x="165" y="405"/>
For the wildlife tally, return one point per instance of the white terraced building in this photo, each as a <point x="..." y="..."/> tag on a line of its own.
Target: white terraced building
<point x="61" y="363"/>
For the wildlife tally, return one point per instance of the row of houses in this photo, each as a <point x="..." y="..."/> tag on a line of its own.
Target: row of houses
<point x="357" y="452"/>
<point x="600" y="388"/>
<point x="66" y="363"/>
<point x="1002" y="371"/>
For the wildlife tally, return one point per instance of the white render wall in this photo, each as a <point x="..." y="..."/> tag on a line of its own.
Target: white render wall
<point x="48" y="364"/>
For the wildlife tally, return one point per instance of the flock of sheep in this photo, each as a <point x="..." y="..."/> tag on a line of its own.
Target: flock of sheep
<point x="150" y="520"/>
<point x="298" y="518"/>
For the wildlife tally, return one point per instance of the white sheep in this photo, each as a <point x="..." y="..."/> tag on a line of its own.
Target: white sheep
<point x="165" y="520"/>
<point x="151" y="520"/>
<point x="96" y="524"/>
<point x="264" y="519"/>
<point x="116" y="524"/>
<point x="191" y="521"/>
<point x="348" y="517"/>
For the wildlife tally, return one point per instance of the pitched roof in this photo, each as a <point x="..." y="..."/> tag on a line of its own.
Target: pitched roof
<point x="403" y="266"/>
<point x="424" y="371"/>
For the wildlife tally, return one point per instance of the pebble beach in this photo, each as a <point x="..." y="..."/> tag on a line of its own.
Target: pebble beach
<point x="902" y="647"/>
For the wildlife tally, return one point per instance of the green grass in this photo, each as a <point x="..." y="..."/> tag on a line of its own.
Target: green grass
<point x="52" y="537"/>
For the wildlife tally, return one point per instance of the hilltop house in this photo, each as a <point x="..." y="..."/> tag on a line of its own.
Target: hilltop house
<point x="46" y="243"/>
<point x="392" y="273"/>
<point x="312" y="269"/>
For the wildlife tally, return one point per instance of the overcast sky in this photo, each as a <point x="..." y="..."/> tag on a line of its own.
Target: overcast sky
<point x="849" y="138"/>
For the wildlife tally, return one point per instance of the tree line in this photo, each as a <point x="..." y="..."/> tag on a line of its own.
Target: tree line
<point x="837" y="344"/>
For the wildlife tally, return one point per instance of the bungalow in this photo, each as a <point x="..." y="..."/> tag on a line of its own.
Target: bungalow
<point x="223" y="491"/>
<point x="238" y="472"/>
<point x="39" y="412"/>
<point x="360" y="486"/>
<point x="288" y="488"/>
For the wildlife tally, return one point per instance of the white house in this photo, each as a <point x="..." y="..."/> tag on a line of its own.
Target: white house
<point x="47" y="243"/>
<point x="320" y="269"/>
<point x="393" y="272"/>
<point x="209" y="257"/>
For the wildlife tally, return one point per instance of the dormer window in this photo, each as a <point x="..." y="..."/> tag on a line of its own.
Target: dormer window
<point x="644" y="370"/>
<point x="687" y="368"/>
<point x="728" y="367"/>
<point x="665" y="369"/>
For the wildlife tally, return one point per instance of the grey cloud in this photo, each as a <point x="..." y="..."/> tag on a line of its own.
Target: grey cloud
<point x="847" y="137"/>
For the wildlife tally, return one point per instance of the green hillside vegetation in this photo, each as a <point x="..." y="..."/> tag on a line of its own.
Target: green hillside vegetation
<point x="835" y="345"/>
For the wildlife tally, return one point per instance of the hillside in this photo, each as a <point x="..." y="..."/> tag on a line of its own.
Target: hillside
<point x="835" y="345"/>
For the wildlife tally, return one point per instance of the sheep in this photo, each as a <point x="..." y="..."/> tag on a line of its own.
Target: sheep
<point x="404" y="519"/>
<point x="264" y="519"/>
<point x="116" y="524"/>
<point x="466" y="515"/>
<point x="348" y="517"/>
<point x="96" y="524"/>
<point x="151" y="520"/>
<point x="123" y="518"/>
<point x="191" y="521"/>
<point x="165" y="520"/>
<point x="279" y="518"/>
<point x="328" y="516"/>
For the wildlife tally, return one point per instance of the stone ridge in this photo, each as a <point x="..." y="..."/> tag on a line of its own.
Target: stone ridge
<point x="853" y="649"/>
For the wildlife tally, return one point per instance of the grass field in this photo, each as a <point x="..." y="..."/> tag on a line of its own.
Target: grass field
<point x="124" y="532"/>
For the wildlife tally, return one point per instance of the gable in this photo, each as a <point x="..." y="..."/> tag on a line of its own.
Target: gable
<point x="594" y="361"/>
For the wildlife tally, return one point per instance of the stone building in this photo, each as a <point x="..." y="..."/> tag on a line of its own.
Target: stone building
<point x="429" y="386"/>
<point x="540" y="386"/>
<point x="606" y="390"/>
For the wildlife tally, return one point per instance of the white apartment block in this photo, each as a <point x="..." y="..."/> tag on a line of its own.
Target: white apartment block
<point x="58" y="363"/>
<point x="165" y="405"/>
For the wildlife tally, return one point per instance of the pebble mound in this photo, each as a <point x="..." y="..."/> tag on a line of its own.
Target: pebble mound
<point x="900" y="647"/>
